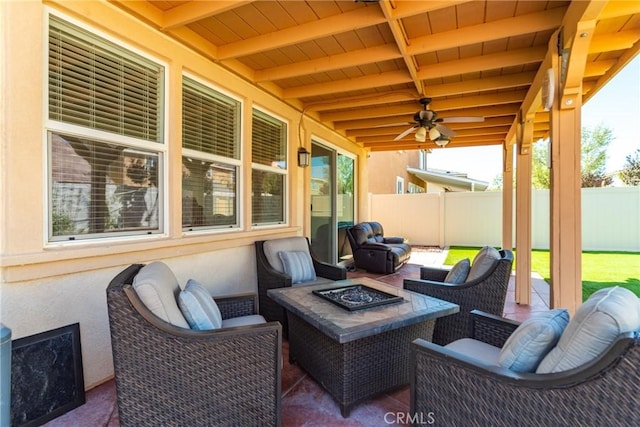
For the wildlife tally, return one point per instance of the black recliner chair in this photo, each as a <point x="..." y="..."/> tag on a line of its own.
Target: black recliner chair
<point x="374" y="252"/>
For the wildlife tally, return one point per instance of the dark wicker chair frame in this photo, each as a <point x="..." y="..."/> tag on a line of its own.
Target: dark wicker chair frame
<point x="167" y="375"/>
<point x="452" y="389"/>
<point x="270" y="278"/>
<point x="486" y="293"/>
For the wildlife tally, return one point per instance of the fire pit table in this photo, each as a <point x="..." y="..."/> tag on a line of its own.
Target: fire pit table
<point x="357" y="352"/>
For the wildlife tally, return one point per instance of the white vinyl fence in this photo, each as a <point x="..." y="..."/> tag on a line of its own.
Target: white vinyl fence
<point x="610" y="218"/>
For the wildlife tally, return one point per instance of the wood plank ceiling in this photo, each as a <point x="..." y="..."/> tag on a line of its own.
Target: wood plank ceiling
<point x="362" y="66"/>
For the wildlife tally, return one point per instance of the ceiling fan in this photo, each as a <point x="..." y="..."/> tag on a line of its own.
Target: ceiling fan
<point x="428" y="123"/>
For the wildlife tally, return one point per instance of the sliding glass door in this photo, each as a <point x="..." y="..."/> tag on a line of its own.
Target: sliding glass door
<point x="332" y="202"/>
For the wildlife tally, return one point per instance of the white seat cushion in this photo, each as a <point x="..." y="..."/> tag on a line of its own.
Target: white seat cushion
<point x="158" y="289"/>
<point x="608" y="313"/>
<point x="479" y="350"/>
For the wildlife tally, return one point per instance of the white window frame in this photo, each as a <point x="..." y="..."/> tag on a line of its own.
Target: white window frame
<point x="272" y="169"/>
<point x="237" y="163"/>
<point x="53" y="126"/>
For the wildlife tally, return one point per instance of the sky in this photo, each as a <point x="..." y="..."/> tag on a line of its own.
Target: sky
<point x="616" y="105"/>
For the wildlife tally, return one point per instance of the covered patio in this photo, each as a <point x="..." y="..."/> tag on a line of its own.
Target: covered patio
<point x="303" y="400"/>
<point x="202" y="146"/>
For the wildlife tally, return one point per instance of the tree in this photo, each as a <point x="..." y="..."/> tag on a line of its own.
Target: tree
<point x="593" y="159"/>
<point x="540" y="177"/>
<point x="630" y="173"/>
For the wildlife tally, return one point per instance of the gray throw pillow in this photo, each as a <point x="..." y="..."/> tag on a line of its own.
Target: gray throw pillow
<point x="532" y="340"/>
<point x="593" y="327"/>
<point x="459" y="272"/>
<point x="482" y="262"/>
<point x="198" y="307"/>
<point x="298" y="265"/>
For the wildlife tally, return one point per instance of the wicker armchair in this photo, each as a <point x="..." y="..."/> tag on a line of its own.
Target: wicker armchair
<point x="486" y="293"/>
<point x="452" y="389"/>
<point x="273" y="277"/>
<point x="167" y="375"/>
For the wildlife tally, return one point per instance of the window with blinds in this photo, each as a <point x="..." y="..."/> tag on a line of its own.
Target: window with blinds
<point x="209" y="194"/>
<point x="211" y="157"/>
<point x="96" y="84"/>
<point x="108" y="185"/>
<point x="269" y="144"/>
<point x="269" y="169"/>
<point x="210" y="120"/>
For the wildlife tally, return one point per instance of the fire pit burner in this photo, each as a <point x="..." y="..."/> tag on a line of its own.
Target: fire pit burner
<point x="357" y="297"/>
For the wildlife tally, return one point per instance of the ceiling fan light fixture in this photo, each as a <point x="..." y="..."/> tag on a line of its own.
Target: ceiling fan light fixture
<point x="442" y="141"/>
<point x="421" y="134"/>
<point x="434" y="134"/>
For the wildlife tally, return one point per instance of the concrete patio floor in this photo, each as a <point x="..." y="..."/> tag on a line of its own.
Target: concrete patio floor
<point x="304" y="402"/>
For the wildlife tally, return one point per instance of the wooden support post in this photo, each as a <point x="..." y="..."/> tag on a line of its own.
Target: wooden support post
<point x="507" y="196"/>
<point x="523" y="209"/>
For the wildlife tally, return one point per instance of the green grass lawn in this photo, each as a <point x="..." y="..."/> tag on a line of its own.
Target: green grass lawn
<point x="599" y="269"/>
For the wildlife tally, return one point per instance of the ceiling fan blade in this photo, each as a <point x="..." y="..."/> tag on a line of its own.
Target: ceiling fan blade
<point x="461" y="119"/>
<point x="445" y="131"/>
<point x="405" y="133"/>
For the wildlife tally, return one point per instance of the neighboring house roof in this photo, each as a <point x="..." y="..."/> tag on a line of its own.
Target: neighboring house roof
<point x="451" y="181"/>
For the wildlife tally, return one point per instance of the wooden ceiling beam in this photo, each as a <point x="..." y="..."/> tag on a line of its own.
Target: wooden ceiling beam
<point x="339" y="86"/>
<point x="616" y="9"/>
<point x="364" y="101"/>
<point x="353" y="58"/>
<point x="485" y="62"/>
<point x="503" y="28"/>
<point x="143" y="10"/>
<point x="613" y="41"/>
<point x="415" y="145"/>
<point x="447" y="105"/>
<point x="401" y="39"/>
<point x="480" y="134"/>
<point x="496" y="130"/>
<point x="405" y="9"/>
<point x="192" y="11"/>
<point x="619" y="64"/>
<point x="458" y="127"/>
<point x="508" y="81"/>
<point x="383" y="130"/>
<point x="494" y="111"/>
<point x="340" y="23"/>
<point x="458" y="88"/>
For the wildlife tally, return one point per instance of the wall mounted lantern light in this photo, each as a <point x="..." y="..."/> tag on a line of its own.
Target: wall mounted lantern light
<point x="303" y="157"/>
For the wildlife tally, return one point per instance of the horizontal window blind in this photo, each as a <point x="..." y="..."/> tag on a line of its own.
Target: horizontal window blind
<point x="100" y="188"/>
<point x="267" y="199"/>
<point x="209" y="192"/>
<point x="268" y="140"/>
<point x="97" y="84"/>
<point x="210" y="120"/>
